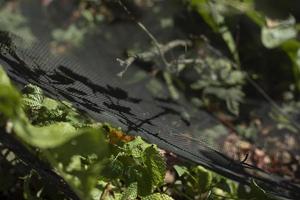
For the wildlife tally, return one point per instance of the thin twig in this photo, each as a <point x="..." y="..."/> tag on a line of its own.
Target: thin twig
<point x="149" y="55"/>
<point x="188" y="61"/>
<point x="156" y="44"/>
<point x="154" y="40"/>
<point x="106" y="191"/>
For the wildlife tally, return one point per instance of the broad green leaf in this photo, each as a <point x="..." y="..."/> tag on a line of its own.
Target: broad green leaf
<point x="4" y="80"/>
<point x="50" y="104"/>
<point x="45" y="111"/>
<point x="131" y="192"/>
<point x="219" y="194"/>
<point x="10" y="100"/>
<point x="157" y="196"/>
<point x="42" y="137"/>
<point x="46" y="136"/>
<point x="145" y="186"/>
<point x="81" y="159"/>
<point x="144" y="165"/>
<point x="155" y="167"/>
<point x="226" y="186"/>
<point x="114" y="169"/>
<point x="77" y="155"/>
<point x="181" y="170"/>
<point x="204" y="178"/>
<point x="136" y="147"/>
<point x="33" y="93"/>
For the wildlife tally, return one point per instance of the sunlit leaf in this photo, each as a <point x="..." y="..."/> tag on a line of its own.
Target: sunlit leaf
<point x="156" y="166"/>
<point x="157" y="196"/>
<point x="47" y="136"/>
<point x="81" y="159"/>
<point x="181" y="170"/>
<point x="10" y="99"/>
<point x="204" y="178"/>
<point x="274" y="35"/>
<point x="131" y="192"/>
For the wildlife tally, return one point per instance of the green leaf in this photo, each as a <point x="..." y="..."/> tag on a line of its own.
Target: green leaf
<point x="216" y="20"/>
<point x="4" y="80"/>
<point x="88" y="15"/>
<point x="145" y="186"/>
<point x="10" y="100"/>
<point x="77" y="155"/>
<point x="181" y="170"/>
<point x="144" y="165"/>
<point x="51" y="104"/>
<point x="136" y="148"/>
<point x="131" y="192"/>
<point x="32" y="95"/>
<point x="203" y="178"/>
<point x="114" y="169"/>
<point x="254" y="15"/>
<point x="224" y="186"/>
<point x="155" y="170"/>
<point x="44" y="111"/>
<point x="204" y="10"/>
<point x="81" y="159"/>
<point x="46" y="136"/>
<point x="157" y="196"/>
<point x="274" y="36"/>
<point x="292" y="49"/>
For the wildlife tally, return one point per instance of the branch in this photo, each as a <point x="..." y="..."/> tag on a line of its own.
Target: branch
<point x="188" y="61"/>
<point x="149" y="55"/>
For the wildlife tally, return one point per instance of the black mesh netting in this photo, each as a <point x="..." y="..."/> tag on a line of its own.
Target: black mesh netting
<point x="86" y="76"/>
